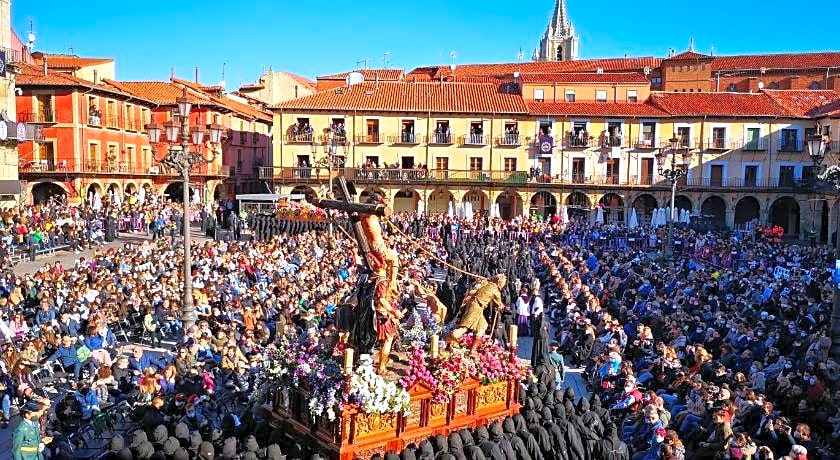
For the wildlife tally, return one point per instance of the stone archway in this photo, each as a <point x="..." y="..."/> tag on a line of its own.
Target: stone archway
<point x="479" y="200"/>
<point x="43" y="192"/>
<point x="613" y="206"/>
<point x="510" y="205"/>
<point x="683" y="202"/>
<point x="405" y="200"/>
<point x="784" y="212"/>
<point x="438" y="202"/>
<point x="578" y="205"/>
<point x="544" y="204"/>
<point x="130" y="188"/>
<point x="644" y="205"/>
<point x="746" y="210"/>
<point x="174" y="191"/>
<point x="93" y="188"/>
<point x="714" y="209"/>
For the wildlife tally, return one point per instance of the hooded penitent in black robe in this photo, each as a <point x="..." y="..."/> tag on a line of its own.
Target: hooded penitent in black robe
<point x="456" y="447"/>
<point x="531" y="444"/>
<point x="573" y="441"/>
<point x="507" y="443"/>
<point x="589" y="426"/>
<point x="610" y="446"/>
<point x="490" y="449"/>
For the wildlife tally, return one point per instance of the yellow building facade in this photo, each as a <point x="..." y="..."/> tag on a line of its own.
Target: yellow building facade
<point x="486" y="143"/>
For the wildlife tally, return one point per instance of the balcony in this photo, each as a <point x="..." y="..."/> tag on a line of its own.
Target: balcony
<point x="304" y="138"/>
<point x="372" y="138"/>
<point x="719" y="143"/>
<point x="42" y="117"/>
<point x="130" y="125"/>
<point x="646" y="143"/>
<point x="439" y="139"/>
<point x="611" y="142"/>
<point x="576" y="142"/>
<point x="791" y="146"/>
<point x="404" y="138"/>
<point x="741" y="183"/>
<point x="473" y="139"/>
<point x="509" y="140"/>
<point x="94" y="119"/>
<point x="112" y="121"/>
<point x="30" y="168"/>
<point x="758" y="145"/>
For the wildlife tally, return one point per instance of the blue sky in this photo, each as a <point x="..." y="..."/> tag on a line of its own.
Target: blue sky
<point x="317" y="38"/>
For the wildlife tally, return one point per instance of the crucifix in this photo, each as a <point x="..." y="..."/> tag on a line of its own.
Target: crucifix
<point x="381" y="262"/>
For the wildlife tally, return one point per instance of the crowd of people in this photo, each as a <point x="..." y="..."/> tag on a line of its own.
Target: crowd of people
<point x="698" y="357"/>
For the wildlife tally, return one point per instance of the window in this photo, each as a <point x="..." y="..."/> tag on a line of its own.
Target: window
<point x="539" y="95"/>
<point x="443" y="132"/>
<point x="632" y="96"/>
<point x="753" y="140"/>
<point x="786" y="177"/>
<point x="570" y="95"/>
<point x="613" y="137"/>
<point x="684" y="136"/>
<point x="372" y="159"/>
<point x="789" y="140"/>
<point x="93" y="157"/>
<point x="579" y="136"/>
<point x="302" y="131"/>
<point x="407" y="162"/>
<point x="476" y="163"/>
<point x="111" y="114"/>
<point x="648" y="133"/>
<point x="578" y="170"/>
<point x="372" y="130"/>
<point x="146" y="157"/>
<point x="601" y="95"/>
<point x="45" y="110"/>
<point x="716" y="173"/>
<point x="442" y="163"/>
<point x="750" y="175"/>
<point x="545" y="127"/>
<point x="510" y="165"/>
<point x="145" y="117"/>
<point x="476" y="136"/>
<point x="773" y="85"/>
<point x="814" y="85"/>
<point x="94" y="115"/>
<point x="129" y="156"/>
<point x="718" y="138"/>
<point x="656" y="80"/>
<point x="129" y="118"/>
<point x="826" y="130"/>
<point x="511" y="136"/>
<point x="407" y="132"/>
<point x="731" y="87"/>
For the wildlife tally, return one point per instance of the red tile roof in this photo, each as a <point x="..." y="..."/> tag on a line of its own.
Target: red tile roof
<point x="690" y="56"/>
<point x="777" y="61"/>
<point x="369" y="74"/>
<point x="68" y="61"/>
<point x="718" y="104"/>
<point x="805" y="103"/>
<point x="450" y="97"/>
<point x="605" y="109"/>
<point x="159" y="92"/>
<point x="309" y="84"/>
<point x="234" y="106"/>
<point x="585" y="65"/>
<point x="627" y="77"/>
<point x="31" y="75"/>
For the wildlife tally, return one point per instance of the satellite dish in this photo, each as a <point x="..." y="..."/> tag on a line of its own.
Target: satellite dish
<point x="761" y="85"/>
<point x="763" y="70"/>
<point x="647" y="70"/>
<point x="354" y="78"/>
<point x="452" y="67"/>
<point x="516" y="74"/>
<point x="599" y="70"/>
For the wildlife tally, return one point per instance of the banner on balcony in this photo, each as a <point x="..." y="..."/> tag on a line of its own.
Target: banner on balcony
<point x="546" y="144"/>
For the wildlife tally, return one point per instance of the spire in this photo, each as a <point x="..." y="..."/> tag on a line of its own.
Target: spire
<point x="691" y="43"/>
<point x="560" y="20"/>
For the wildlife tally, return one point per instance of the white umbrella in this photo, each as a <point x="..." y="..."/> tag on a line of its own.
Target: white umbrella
<point x="564" y="214"/>
<point x="469" y="210"/>
<point x="654" y="217"/>
<point x="117" y="199"/>
<point x="449" y="211"/>
<point x="663" y="216"/>
<point x="633" y="221"/>
<point x="141" y="195"/>
<point x="599" y="218"/>
<point x="421" y="207"/>
<point x="496" y="213"/>
<point x="97" y="202"/>
<point x="686" y="217"/>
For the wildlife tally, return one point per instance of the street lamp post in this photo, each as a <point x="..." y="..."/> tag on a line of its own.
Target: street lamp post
<point x="180" y="138"/>
<point x="673" y="174"/>
<point x="818" y="148"/>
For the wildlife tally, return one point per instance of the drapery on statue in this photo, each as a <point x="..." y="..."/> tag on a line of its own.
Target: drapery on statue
<point x="487" y="293"/>
<point x="379" y="287"/>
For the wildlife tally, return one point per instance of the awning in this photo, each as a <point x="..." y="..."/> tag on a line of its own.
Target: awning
<point x="11" y="187"/>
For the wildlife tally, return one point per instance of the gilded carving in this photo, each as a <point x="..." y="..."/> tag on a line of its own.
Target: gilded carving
<point x="462" y="403"/>
<point x="413" y="418"/>
<point x="491" y="394"/>
<point x="437" y="410"/>
<point x="374" y="422"/>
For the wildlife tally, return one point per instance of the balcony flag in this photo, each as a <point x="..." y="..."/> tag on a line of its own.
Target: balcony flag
<point x="546" y="144"/>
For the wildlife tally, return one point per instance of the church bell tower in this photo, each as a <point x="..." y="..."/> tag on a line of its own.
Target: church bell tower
<point x="559" y="43"/>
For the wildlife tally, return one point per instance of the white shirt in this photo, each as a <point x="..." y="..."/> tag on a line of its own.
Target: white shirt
<point x="537" y="306"/>
<point x="522" y="306"/>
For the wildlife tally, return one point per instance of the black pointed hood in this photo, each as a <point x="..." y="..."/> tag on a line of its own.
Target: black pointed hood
<point x="569" y="394"/>
<point x="583" y="405"/>
<point x="455" y="443"/>
<point x="440" y="444"/>
<point x="481" y="433"/>
<point x="559" y="412"/>
<point x="496" y="431"/>
<point x="466" y="438"/>
<point x="610" y="431"/>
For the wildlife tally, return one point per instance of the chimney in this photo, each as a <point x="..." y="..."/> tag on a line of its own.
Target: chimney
<point x="171" y="73"/>
<point x="196" y="75"/>
<point x="95" y="76"/>
<point x="45" y="65"/>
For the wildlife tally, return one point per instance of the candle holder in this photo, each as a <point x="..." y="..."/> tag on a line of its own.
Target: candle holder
<point x="434" y="347"/>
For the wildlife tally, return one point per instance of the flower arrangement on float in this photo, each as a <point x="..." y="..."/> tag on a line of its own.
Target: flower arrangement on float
<point x="373" y="394"/>
<point x="444" y="375"/>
